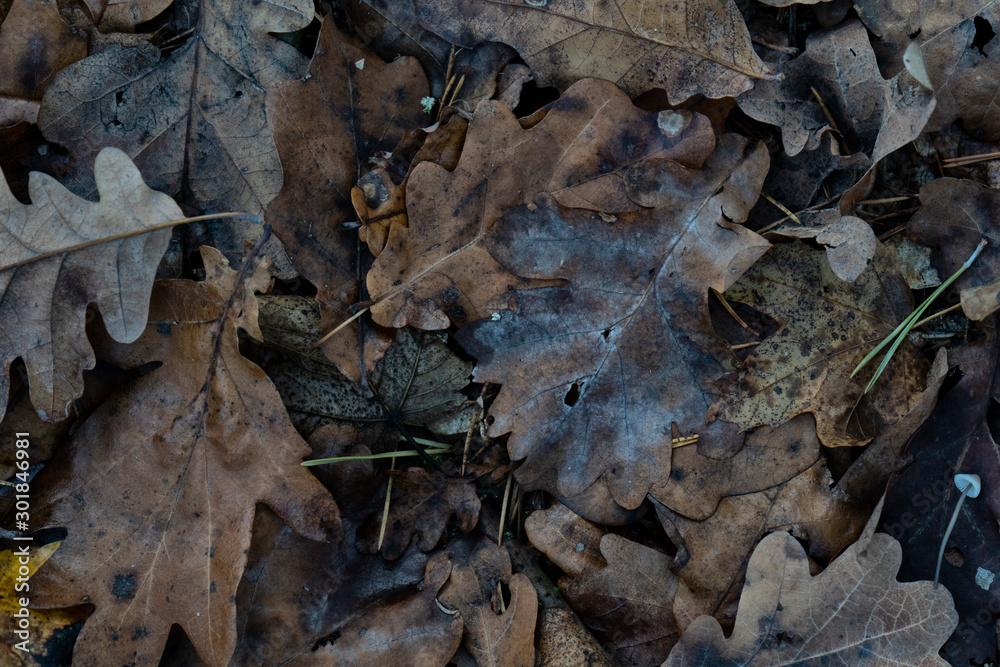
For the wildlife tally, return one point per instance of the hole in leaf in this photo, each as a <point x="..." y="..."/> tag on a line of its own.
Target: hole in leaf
<point x="606" y="333"/>
<point x="984" y="34"/>
<point x="573" y="395"/>
<point x="954" y="557"/>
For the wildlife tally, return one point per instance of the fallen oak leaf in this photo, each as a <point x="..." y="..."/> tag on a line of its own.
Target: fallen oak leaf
<point x="327" y="127"/>
<point x="479" y="569"/>
<point x="438" y="270"/>
<point x="827" y="327"/>
<point x="874" y="116"/>
<point x="854" y="612"/>
<point x="35" y="43"/>
<point x="936" y="226"/>
<point x="45" y="295"/>
<point x="210" y="133"/>
<point x="416" y="630"/>
<point x="698" y="47"/>
<point x="420" y="506"/>
<point x="850" y="242"/>
<point x="570" y="354"/>
<point x="173" y="492"/>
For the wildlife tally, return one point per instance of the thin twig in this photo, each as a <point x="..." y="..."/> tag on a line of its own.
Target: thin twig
<point x="126" y="235"/>
<point x="503" y="508"/>
<point x="340" y="327"/>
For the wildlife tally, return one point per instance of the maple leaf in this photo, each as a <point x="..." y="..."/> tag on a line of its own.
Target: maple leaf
<point x="164" y="501"/>
<point x="209" y="134"/>
<point x="439" y="271"/>
<point x="595" y="380"/>
<point x="827" y="326"/>
<point x="420" y="380"/>
<point x="327" y="126"/>
<point x="854" y="612"/>
<point x="47" y="282"/>
<point x="701" y="46"/>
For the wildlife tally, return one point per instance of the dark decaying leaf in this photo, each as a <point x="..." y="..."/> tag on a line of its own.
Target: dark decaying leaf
<point x="327" y="126"/>
<point x="439" y="270"/>
<point x="958" y="437"/>
<point x="159" y="485"/>
<point x="595" y="380"/>
<point x="420" y="507"/>
<point x="480" y="570"/>
<point x="209" y="136"/>
<point x="419" y="378"/>
<point x="701" y="46"/>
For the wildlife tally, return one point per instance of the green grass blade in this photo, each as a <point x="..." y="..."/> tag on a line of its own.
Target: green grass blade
<point x="373" y="457"/>
<point x="900" y="333"/>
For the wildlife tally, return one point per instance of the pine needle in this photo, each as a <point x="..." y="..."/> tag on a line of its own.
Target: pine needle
<point x="899" y="334"/>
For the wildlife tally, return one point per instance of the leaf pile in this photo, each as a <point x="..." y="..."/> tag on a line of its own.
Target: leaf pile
<point x="588" y="277"/>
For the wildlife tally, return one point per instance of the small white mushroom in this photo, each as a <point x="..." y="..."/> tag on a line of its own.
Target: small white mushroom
<point x="969" y="485"/>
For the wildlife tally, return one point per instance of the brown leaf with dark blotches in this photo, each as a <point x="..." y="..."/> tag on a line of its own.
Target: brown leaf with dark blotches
<point x="421" y="503"/>
<point x="701" y="46"/>
<point x="493" y="636"/>
<point x="596" y="374"/>
<point x="439" y="270"/>
<point x="350" y="106"/>
<point x="159" y="485"/>
<point x="854" y="612"/>
<point x="827" y="327"/>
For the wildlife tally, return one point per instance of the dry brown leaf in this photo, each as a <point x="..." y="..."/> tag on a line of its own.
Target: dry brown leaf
<point x="567" y="539"/>
<point x="712" y="552"/>
<point x="416" y="630"/>
<point x="954" y="215"/>
<point x="629" y="602"/>
<point x="595" y="380"/>
<point x="954" y="40"/>
<point x="850" y="242"/>
<point x="421" y="504"/>
<point x="875" y="116"/>
<point x="45" y="300"/>
<point x="209" y="135"/>
<point x="35" y="43"/>
<point x="479" y="570"/>
<point x="124" y="15"/>
<point x="827" y="327"/>
<point x="164" y="501"/>
<point x="438" y="271"/>
<point x="980" y="302"/>
<point x="853" y="613"/>
<point x="15" y="110"/>
<point x="701" y="46"/>
<point x="327" y="127"/>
